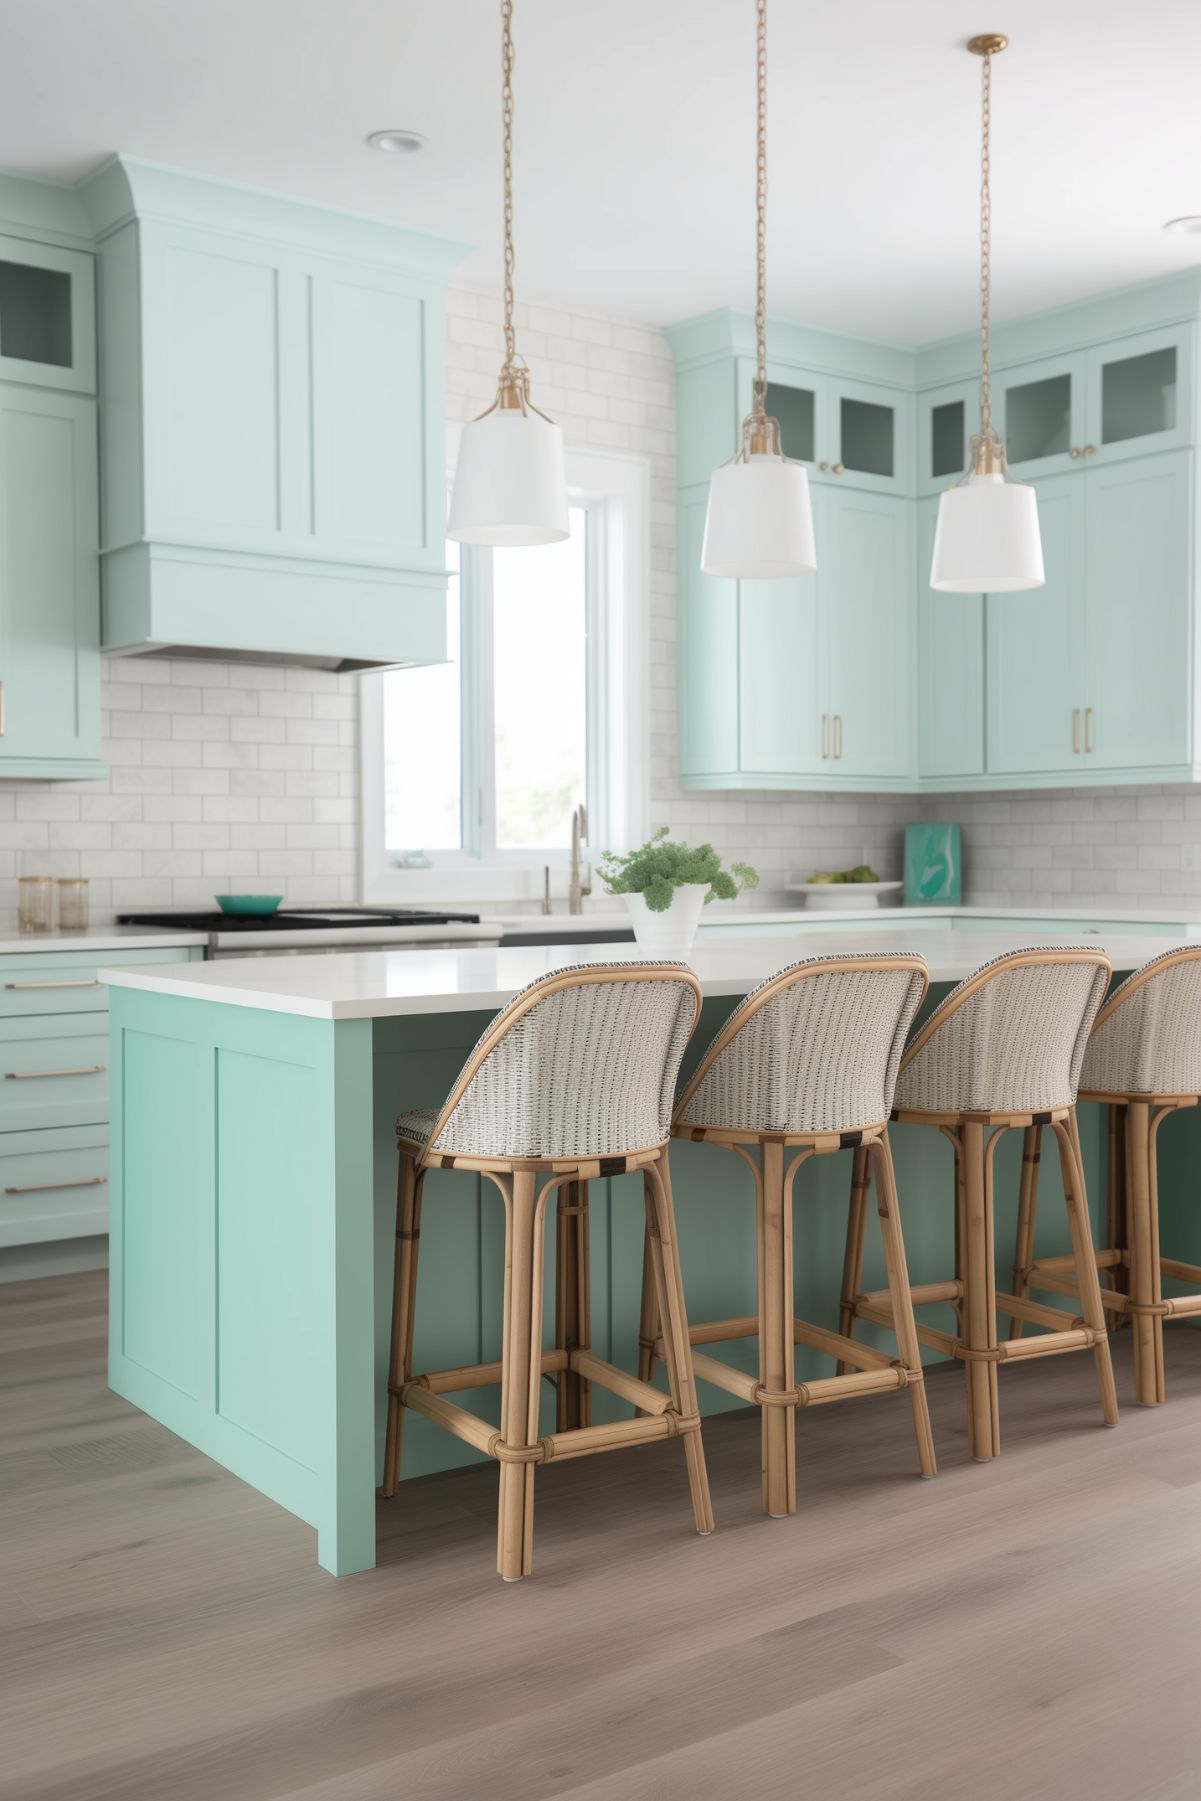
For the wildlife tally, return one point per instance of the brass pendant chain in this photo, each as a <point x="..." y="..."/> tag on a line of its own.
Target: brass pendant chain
<point x="986" y="426"/>
<point x="506" y="116"/>
<point x="761" y="217"/>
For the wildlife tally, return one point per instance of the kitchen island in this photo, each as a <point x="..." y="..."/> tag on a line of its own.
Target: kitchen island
<point x="253" y="1180"/>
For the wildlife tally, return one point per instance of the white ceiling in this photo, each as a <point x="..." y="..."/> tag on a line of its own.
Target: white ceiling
<point x="634" y="137"/>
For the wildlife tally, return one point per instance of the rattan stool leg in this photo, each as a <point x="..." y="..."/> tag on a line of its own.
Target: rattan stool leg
<point x="521" y="1358"/>
<point x="677" y="1348"/>
<point x="1116" y="1230"/>
<point x="1023" y="1250"/>
<point x="404" y="1288"/>
<point x="648" y="1315"/>
<point x="980" y="1297"/>
<point x="776" y="1342"/>
<point x="904" y="1325"/>
<point x="1085" y="1259"/>
<point x="1145" y="1276"/>
<point x="573" y="1308"/>
<point x="852" y="1265"/>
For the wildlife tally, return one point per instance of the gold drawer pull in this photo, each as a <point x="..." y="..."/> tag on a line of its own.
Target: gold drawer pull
<point x="44" y="1187"/>
<point x="37" y="1075"/>
<point x="85" y="982"/>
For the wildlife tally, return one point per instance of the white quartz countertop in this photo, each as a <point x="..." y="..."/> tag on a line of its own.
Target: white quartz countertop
<point x="99" y="938"/>
<point x="385" y="984"/>
<point x="735" y="918"/>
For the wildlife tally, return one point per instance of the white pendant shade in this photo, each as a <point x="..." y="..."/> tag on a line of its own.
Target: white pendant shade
<point x="987" y="540"/>
<point x="510" y="483"/>
<point x="759" y="522"/>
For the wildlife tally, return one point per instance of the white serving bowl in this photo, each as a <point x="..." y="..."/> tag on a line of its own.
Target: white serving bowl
<point x="840" y="897"/>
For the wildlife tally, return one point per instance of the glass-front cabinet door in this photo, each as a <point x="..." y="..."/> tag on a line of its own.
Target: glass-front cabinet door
<point x="1039" y="410"/>
<point x="873" y="437"/>
<point x="946" y="419"/>
<point x="47" y="316"/>
<point x="1138" y="396"/>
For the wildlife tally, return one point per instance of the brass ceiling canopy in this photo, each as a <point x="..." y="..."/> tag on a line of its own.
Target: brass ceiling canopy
<point x="989" y="43"/>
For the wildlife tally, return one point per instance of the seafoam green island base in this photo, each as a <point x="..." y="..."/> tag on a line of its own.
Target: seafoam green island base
<point x="253" y="1173"/>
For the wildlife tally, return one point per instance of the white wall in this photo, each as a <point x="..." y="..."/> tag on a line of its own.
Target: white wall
<point x="235" y="777"/>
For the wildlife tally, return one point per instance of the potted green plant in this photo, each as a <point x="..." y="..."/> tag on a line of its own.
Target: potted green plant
<point x="666" y="885"/>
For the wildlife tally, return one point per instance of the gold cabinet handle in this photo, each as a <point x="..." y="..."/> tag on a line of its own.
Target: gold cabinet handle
<point x="1088" y="729"/>
<point x="1" y="709"/>
<point x="46" y="1187"/>
<point x="838" y="469"/>
<point x="1075" y="451"/>
<point x="1076" y="731"/>
<point x="824" y="466"/>
<point x="85" y="982"/>
<point x="1090" y="450"/>
<point x="837" y="737"/>
<point x="39" y="1075"/>
<point x="825" y="735"/>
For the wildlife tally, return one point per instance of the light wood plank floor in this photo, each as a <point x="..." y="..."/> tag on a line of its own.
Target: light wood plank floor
<point x="1022" y="1630"/>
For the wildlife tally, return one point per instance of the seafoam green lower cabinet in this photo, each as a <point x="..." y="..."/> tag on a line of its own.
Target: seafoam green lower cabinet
<point x="950" y="669"/>
<point x="49" y="586"/>
<point x="1094" y="671"/>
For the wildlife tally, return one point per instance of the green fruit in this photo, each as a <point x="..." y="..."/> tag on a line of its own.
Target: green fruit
<point x="824" y="876"/>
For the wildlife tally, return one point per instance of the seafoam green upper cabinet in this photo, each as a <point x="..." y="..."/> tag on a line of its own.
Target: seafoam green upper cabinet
<point x="47" y="316"/>
<point x="845" y="407"/>
<point x="1128" y="398"/>
<point x="1093" y="672"/>
<point x="867" y="630"/>
<point x="273" y="423"/>
<point x="49" y="586"/>
<point x="946" y="419"/>
<point x="950" y="669"/>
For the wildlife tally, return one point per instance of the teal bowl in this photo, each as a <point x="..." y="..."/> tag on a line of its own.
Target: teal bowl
<point x="247" y="905"/>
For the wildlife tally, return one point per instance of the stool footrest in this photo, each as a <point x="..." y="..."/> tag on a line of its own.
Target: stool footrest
<point x="552" y="1447"/>
<point x="879" y="1313"/>
<point x="484" y="1375"/>
<point x="817" y="1393"/>
<point x="1113" y="1298"/>
<point x="595" y="1369"/>
<point x="1033" y="1312"/>
<point x="1180" y="1272"/>
<point x="717" y="1331"/>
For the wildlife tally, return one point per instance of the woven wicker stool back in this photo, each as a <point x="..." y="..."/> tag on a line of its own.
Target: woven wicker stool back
<point x="815" y="1048"/>
<point x="582" y="1063"/>
<point x="1010" y="1039"/>
<point x="1147" y="1038"/>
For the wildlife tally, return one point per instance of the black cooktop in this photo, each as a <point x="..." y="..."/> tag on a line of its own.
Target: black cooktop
<point x="296" y="919"/>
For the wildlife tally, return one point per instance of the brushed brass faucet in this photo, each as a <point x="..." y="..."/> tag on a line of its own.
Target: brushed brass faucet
<point x="577" y="889"/>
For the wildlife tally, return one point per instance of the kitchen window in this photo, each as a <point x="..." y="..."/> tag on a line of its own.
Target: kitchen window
<point x="472" y="768"/>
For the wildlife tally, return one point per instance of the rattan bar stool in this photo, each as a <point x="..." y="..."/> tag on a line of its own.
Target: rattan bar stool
<point x="1143" y="1063"/>
<point x="1003" y="1050"/>
<point x="573" y="1080"/>
<point x="807" y="1064"/>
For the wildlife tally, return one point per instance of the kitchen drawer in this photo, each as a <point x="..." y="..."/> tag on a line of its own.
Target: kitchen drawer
<point x="53" y="1184"/>
<point x="53" y="1072"/>
<point x="67" y="983"/>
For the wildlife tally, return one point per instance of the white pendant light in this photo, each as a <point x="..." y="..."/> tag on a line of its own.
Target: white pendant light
<point x="759" y="522"/>
<point x="510" y="483"/>
<point x="987" y="539"/>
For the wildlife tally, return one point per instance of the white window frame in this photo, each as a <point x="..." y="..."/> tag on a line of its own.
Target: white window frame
<point x="615" y="489"/>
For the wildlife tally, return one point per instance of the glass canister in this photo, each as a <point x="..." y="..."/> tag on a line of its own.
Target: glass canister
<point x="35" y="903"/>
<point x="72" y="904"/>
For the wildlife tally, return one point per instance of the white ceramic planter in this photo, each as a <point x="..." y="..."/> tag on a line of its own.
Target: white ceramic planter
<point x="670" y="933"/>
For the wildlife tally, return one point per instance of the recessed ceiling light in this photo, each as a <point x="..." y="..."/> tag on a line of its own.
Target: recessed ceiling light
<point x="1188" y="222"/>
<point x="396" y="143"/>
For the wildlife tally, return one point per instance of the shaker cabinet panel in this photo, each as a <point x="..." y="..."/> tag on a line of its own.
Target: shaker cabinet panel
<point x="49" y="585"/>
<point x="708" y="654"/>
<point x="950" y="668"/>
<point x="1034" y="649"/>
<point x="369" y="362"/>
<point x="1137" y="634"/>
<point x="866" y="622"/>
<point x="214" y="426"/>
<point x="778" y="708"/>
